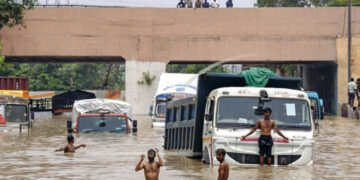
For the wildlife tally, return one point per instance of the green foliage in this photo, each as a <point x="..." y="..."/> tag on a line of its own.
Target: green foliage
<point x="304" y="3"/>
<point x="56" y="77"/>
<point x="12" y="12"/>
<point x="343" y="3"/>
<point x="192" y="68"/>
<point x="282" y="3"/>
<point x="2" y="58"/>
<point x="147" y="78"/>
<point x="289" y="70"/>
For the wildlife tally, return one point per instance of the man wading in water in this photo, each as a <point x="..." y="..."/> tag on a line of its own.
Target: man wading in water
<point x="224" y="166"/>
<point x="151" y="168"/>
<point x="70" y="148"/>
<point x="265" y="140"/>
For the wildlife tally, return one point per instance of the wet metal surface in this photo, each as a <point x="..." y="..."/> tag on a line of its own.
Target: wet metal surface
<point x="114" y="156"/>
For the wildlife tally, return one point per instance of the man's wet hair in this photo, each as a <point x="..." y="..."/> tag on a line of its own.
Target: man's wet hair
<point x="70" y="138"/>
<point x="221" y="151"/>
<point x="268" y="110"/>
<point x="152" y="151"/>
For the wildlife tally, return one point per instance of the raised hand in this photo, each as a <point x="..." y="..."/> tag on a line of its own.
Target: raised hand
<point x="142" y="157"/>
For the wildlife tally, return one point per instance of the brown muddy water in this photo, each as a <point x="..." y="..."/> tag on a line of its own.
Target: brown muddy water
<point x="114" y="156"/>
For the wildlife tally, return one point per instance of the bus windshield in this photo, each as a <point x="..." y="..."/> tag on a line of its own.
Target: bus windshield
<point x="238" y="112"/>
<point x="160" y="109"/>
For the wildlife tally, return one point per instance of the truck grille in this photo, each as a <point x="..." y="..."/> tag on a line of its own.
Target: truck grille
<point x="255" y="159"/>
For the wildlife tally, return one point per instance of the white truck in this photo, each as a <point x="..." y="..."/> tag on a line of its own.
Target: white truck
<point x="171" y="86"/>
<point x="224" y="110"/>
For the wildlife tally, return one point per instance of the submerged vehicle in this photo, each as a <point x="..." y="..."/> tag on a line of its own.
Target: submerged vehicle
<point x="172" y="86"/>
<point x="15" y="114"/>
<point x="316" y="104"/>
<point x="102" y="115"/>
<point x="224" y="109"/>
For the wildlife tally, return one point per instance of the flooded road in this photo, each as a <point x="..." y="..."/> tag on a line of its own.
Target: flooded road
<point x="114" y="156"/>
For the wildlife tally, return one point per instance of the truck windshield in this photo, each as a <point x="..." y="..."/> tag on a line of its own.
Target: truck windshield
<point x="15" y="113"/>
<point x="160" y="109"/>
<point x="238" y="112"/>
<point x="105" y="124"/>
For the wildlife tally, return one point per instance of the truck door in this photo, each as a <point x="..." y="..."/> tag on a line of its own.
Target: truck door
<point x="209" y="115"/>
<point x="207" y="131"/>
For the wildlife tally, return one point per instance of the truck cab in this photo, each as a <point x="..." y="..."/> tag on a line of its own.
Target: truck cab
<point x="232" y="112"/>
<point x="316" y="104"/>
<point x="15" y="114"/>
<point x="172" y="86"/>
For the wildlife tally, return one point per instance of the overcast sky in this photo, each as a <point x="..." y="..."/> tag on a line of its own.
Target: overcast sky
<point x="141" y="3"/>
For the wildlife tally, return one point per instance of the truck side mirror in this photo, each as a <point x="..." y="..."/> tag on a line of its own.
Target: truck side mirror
<point x="209" y="117"/>
<point x="134" y="126"/>
<point x="259" y="111"/>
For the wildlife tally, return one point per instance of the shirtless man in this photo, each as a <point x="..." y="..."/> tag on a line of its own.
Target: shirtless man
<point x="224" y="166"/>
<point x="265" y="140"/>
<point x="70" y="148"/>
<point x="151" y="168"/>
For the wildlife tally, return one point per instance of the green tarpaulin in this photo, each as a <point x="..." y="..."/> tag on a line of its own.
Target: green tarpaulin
<point x="258" y="77"/>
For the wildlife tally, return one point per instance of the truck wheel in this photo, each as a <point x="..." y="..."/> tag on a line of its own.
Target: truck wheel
<point x="206" y="158"/>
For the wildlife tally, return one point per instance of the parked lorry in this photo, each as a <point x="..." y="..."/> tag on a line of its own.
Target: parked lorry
<point x="15" y="113"/>
<point x="225" y="109"/>
<point x="171" y="86"/>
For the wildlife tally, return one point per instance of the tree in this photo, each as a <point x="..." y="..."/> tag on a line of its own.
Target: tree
<point x="2" y="58"/>
<point x="12" y="12"/>
<point x="192" y="68"/>
<point x="304" y="3"/>
<point x="282" y="3"/>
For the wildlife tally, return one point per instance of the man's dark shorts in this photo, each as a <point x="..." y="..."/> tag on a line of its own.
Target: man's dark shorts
<point x="265" y="145"/>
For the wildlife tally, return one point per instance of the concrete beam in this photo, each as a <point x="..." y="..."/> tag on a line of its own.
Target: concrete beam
<point x="169" y="34"/>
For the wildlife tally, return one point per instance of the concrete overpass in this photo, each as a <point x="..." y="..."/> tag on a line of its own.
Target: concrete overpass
<point x="149" y="38"/>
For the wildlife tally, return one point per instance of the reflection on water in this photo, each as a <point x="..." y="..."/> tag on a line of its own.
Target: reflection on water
<point x="110" y="156"/>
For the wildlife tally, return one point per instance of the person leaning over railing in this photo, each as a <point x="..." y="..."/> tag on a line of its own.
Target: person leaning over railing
<point x="205" y="4"/>
<point x="214" y="4"/>
<point x="198" y="4"/>
<point x="229" y="4"/>
<point x="181" y="4"/>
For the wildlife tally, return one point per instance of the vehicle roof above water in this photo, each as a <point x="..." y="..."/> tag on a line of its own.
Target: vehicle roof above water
<point x="255" y="92"/>
<point x="177" y="83"/>
<point x="92" y="105"/>
<point x="312" y="94"/>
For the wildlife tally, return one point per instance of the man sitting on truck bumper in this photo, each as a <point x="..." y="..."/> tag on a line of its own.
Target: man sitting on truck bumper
<point x="265" y="140"/>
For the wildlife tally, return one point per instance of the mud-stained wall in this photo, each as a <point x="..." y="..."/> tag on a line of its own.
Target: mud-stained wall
<point x="342" y="61"/>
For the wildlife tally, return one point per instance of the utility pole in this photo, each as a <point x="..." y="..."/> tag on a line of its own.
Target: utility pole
<point x="349" y="40"/>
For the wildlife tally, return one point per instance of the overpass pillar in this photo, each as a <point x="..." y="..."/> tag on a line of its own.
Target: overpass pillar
<point x="140" y="95"/>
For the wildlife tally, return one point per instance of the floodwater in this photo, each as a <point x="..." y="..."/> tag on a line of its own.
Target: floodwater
<point x="114" y="156"/>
